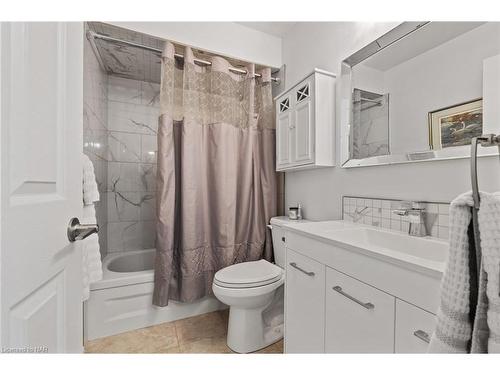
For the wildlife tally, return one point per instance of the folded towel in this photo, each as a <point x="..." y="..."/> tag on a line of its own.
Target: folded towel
<point x="465" y="305"/>
<point x="454" y="329"/>
<point x="91" y="256"/>
<point x="90" y="191"/>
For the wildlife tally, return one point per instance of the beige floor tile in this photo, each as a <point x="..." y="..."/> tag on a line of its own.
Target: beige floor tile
<point x="206" y="345"/>
<point x="225" y="316"/>
<point x="205" y="333"/>
<point x="155" y="339"/>
<point x="276" y="348"/>
<point x="206" y="326"/>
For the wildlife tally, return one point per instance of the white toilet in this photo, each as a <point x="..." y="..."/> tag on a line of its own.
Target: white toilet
<point x="254" y="293"/>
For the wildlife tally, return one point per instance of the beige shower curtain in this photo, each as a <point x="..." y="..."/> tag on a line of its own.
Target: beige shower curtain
<point x="217" y="186"/>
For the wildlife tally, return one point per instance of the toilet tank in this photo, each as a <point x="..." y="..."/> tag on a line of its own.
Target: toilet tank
<point x="278" y="232"/>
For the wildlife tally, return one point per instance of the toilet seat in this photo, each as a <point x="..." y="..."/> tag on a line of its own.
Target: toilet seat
<point x="248" y="275"/>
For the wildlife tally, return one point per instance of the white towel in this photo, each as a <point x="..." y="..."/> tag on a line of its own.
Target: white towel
<point x="90" y="191"/>
<point x="454" y="331"/>
<point x="91" y="256"/>
<point x="489" y="227"/>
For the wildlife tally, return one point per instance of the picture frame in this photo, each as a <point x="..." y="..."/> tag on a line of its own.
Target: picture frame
<point x="455" y="125"/>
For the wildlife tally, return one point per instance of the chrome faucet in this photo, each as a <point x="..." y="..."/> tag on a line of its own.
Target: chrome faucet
<point x="358" y="214"/>
<point x="416" y="215"/>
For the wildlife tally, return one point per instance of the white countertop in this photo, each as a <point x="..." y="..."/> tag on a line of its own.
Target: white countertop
<point x="426" y="254"/>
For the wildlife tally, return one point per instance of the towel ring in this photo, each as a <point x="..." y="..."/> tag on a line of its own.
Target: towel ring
<point x="485" y="140"/>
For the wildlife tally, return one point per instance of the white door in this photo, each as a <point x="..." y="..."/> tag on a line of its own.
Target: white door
<point x="303" y="139"/>
<point x="414" y="328"/>
<point x="283" y="125"/>
<point x="303" y="135"/>
<point x="359" y="318"/>
<point x="41" y="189"/>
<point x="304" y="304"/>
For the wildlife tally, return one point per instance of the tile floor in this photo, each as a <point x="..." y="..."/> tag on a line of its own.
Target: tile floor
<point x="199" y="334"/>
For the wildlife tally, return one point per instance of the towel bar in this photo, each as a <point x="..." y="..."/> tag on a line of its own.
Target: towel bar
<point x="485" y="140"/>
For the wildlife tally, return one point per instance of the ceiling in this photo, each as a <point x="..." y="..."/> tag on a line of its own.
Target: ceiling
<point x="278" y="29"/>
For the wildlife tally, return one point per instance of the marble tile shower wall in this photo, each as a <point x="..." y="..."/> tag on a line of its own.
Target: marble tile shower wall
<point x="95" y="132"/>
<point x="133" y="109"/>
<point x="378" y="212"/>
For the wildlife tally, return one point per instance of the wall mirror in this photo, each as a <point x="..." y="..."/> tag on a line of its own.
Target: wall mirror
<point x="420" y="93"/>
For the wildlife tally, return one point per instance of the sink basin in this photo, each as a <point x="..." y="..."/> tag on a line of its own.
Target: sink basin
<point x="322" y="227"/>
<point x="425" y="252"/>
<point x="369" y="238"/>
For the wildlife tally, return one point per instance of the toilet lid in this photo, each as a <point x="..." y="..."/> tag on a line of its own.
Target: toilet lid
<point x="248" y="274"/>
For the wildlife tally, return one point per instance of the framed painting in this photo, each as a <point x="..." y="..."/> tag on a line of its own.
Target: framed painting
<point x="456" y="125"/>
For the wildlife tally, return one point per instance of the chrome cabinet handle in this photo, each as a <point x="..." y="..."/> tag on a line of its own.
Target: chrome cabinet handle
<point x="308" y="273"/>
<point x="422" y="335"/>
<point x="77" y="231"/>
<point x="366" y="305"/>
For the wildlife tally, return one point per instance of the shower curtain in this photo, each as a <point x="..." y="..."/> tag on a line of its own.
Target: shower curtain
<point x="216" y="179"/>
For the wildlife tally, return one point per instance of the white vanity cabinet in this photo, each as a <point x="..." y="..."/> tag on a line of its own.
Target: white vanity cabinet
<point x="305" y="123"/>
<point x="340" y="300"/>
<point x="305" y="308"/>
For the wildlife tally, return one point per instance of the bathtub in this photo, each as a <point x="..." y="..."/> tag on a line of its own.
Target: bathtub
<point x="122" y="300"/>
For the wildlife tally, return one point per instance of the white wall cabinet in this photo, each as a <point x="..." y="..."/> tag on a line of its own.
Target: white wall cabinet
<point x="305" y="123"/>
<point x="305" y="308"/>
<point x="354" y="303"/>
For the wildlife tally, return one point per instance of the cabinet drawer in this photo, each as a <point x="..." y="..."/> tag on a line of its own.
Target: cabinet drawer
<point x="359" y="318"/>
<point x="304" y="304"/>
<point x="414" y="328"/>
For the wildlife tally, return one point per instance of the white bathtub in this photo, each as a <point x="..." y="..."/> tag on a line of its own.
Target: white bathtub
<point x="122" y="300"/>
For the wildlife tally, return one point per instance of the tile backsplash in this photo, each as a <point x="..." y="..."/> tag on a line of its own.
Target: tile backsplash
<point x="378" y="212"/>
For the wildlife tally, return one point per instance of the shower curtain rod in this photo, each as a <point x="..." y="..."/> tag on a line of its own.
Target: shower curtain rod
<point x="95" y="35"/>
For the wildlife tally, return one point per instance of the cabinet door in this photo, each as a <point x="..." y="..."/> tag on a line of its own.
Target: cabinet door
<point x="303" y="126"/>
<point x="359" y="318"/>
<point x="283" y="125"/>
<point x="414" y="328"/>
<point x="304" y="304"/>
<point x="302" y="134"/>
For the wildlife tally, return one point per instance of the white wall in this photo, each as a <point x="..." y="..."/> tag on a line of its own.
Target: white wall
<point x="325" y="45"/>
<point x="226" y="38"/>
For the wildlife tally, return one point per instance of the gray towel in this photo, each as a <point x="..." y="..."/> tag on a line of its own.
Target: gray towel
<point x="461" y="327"/>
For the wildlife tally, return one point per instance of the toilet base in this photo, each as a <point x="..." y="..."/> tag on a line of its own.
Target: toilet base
<point x="255" y="315"/>
<point x="246" y="332"/>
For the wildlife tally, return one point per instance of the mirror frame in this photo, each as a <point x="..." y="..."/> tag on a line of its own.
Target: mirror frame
<point x="346" y="91"/>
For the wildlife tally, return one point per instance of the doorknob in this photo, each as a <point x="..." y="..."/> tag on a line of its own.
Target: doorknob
<point x="77" y="231"/>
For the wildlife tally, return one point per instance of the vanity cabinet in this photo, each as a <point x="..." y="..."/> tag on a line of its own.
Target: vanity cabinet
<point x="358" y="317"/>
<point x="342" y="301"/>
<point x="305" y="307"/>
<point x="305" y="123"/>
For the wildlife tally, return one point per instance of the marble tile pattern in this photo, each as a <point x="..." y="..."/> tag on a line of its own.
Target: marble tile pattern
<point x="95" y="132"/>
<point x="371" y="129"/>
<point x="205" y="333"/>
<point x="133" y="109"/>
<point x="378" y="212"/>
